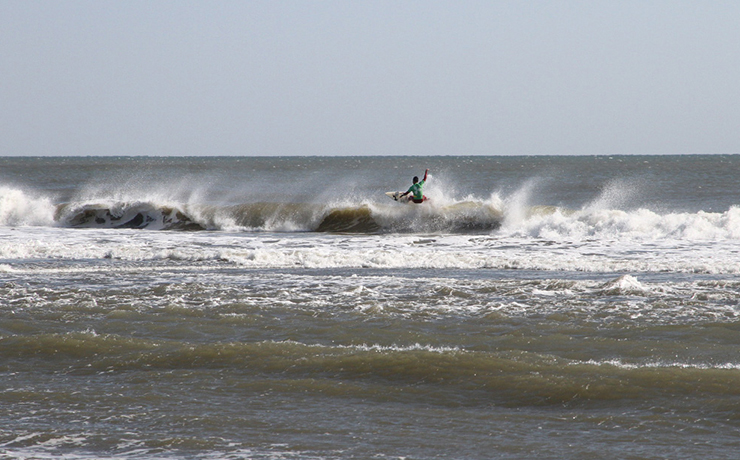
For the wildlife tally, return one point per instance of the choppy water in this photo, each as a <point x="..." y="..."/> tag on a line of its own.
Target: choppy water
<point x="558" y="307"/>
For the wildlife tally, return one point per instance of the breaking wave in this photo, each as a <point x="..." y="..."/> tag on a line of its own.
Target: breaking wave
<point x="643" y="224"/>
<point x="19" y="208"/>
<point x="282" y="217"/>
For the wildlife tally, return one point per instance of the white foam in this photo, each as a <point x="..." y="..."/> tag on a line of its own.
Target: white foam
<point x="381" y="348"/>
<point x="19" y="208"/>
<point x="311" y="250"/>
<point x="658" y="365"/>
<point x="593" y="239"/>
<point x="640" y="224"/>
<point x="5" y="268"/>
<point x="625" y="284"/>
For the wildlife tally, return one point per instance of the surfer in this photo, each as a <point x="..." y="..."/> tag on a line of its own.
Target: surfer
<point x="418" y="196"/>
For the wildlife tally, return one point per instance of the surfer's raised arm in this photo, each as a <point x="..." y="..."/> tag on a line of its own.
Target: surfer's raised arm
<point x="425" y="175"/>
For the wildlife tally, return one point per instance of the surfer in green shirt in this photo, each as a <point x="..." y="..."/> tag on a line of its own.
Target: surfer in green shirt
<point x="415" y="189"/>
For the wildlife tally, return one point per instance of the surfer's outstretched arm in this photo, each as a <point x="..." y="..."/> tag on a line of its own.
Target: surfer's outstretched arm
<point x="425" y="175"/>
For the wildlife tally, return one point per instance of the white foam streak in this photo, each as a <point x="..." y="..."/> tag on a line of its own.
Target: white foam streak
<point x="658" y="365"/>
<point x="381" y="348"/>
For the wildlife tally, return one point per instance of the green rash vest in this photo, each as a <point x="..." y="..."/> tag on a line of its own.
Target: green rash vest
<point x="416" y="190"/>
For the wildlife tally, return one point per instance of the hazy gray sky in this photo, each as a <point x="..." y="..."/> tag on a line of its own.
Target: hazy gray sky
<point x="369" y="77"/>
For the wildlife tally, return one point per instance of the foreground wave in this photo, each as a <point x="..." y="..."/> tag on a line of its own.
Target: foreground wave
<point x="452" y="375"/>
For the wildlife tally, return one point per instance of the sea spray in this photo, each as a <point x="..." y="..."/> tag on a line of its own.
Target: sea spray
<point x="20" y="208"/>
<point x="515" y="205"/>
<point x="615" y="194"/>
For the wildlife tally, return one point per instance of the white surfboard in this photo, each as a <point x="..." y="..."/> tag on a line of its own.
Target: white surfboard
<point x="396" y="196"/>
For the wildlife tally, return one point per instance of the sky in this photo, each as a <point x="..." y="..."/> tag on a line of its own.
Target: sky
<point x="374" y="77"/>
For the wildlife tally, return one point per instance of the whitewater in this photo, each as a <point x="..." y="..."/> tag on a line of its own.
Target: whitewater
<point x="250" y="308"/>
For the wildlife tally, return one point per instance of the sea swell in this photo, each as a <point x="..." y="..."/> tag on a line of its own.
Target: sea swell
<point x="386" y="373"/>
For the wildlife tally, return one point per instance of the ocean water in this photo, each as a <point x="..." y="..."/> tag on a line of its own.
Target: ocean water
<point x="285" y="308"/>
